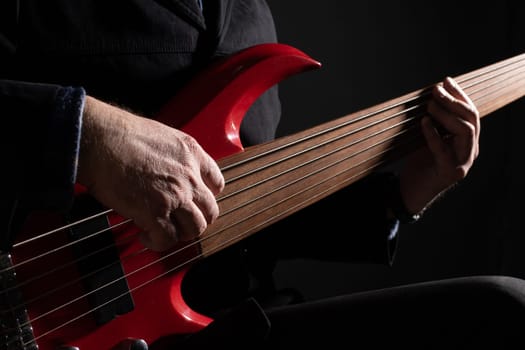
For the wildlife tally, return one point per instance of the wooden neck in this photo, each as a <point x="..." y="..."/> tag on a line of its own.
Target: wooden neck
<point x="269" y="182"/>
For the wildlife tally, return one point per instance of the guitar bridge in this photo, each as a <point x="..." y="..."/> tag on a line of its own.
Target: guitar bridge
<point x="16" y="332"/>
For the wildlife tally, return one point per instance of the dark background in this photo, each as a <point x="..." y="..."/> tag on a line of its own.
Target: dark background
<point x="376" y="50"/>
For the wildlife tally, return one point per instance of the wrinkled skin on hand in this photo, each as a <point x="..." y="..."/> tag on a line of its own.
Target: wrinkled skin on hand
<point x="447" y="157"/>
<point x="155" y="175"/>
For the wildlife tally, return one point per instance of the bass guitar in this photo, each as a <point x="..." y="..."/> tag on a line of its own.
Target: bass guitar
<point x="86" y="282"/>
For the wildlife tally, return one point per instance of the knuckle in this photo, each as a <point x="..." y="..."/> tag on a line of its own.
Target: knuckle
<point x="191" y="143"/>
<point x="201" y="227"/>
<point x="472" y="112"/>
<point x="214" y="213"/>
<point x="164" y="203"/>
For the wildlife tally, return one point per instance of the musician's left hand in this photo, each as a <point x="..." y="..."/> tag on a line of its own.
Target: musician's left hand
<point x="450" y="151"/>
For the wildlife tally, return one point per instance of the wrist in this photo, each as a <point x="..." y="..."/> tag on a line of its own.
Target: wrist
<point x="94" y="118"/>
<point x="396" y="204"/>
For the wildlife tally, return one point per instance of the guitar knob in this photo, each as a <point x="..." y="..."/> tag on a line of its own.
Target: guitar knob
<point x="132" y="344"/>
<point x="138" y="344"/>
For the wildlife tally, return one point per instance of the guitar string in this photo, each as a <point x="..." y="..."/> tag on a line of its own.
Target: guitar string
<point x="324" y="131"/>
<point x="62" y="228"/>
<point x="170" y="270"/>
<point x="24" y="283"/>
<point x="57" y="249"/>
<point x="318" y="145"/>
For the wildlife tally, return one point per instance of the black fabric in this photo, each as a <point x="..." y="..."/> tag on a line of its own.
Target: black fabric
<point x="133" y="53"/>
<point x="256" y="27"/>
<point x="244" y="327"/>
<point x="42" y="169"/>
<point x="8" y="24"/>
<point x="476" y="312"/>
<point x="481" y="312"/>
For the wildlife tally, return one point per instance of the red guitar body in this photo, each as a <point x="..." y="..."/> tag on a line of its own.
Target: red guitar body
<point x="210" y="109"/>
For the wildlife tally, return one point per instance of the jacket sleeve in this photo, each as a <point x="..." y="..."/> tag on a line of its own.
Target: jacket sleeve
<point x="41" y="125"/>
